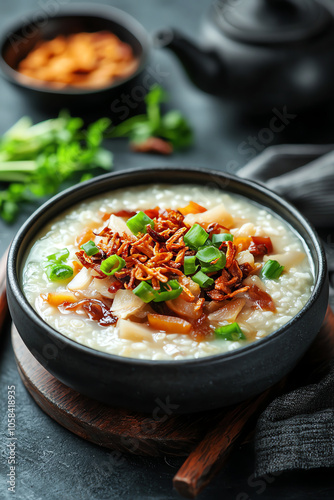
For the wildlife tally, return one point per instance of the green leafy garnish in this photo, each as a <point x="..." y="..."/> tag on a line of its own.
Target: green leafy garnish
<point x="217" y="239"/>
<point x="112" y="265"/>
<point x="189" y="265"/>
<point x="59" y="256"/>
<point x="59" y="272"/>
<point x="203" y="280"/>
<point x="38" y="160"/>
<point x="272" y="270"/>
<point x="171" y="126"/>
<point x="168" y="291"/>
<point x="90" y="248"/>
<point x="231" y="332"/>
<point x="55" y="268"/>
<point x="196" y="237"/>
<point x="137" y="224"/>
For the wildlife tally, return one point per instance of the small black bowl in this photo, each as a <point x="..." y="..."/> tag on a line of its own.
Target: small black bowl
<point x="21" y="38"/>
<point x="188" y="385"/>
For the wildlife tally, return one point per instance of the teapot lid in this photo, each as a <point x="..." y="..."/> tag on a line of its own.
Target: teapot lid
<point x="271" y="21"/>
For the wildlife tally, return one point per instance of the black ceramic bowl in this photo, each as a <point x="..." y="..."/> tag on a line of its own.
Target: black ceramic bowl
<point x="189" y="385"/>
<point x="21" y="38"/>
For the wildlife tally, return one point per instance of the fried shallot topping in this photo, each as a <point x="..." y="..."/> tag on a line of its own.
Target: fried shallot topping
<point x="156" y="256"/>
<point x="154" y="259"/>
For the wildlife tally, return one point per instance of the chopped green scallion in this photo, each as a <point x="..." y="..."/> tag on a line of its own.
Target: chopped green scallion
<point x="202" y="279"/>
<point x="90" y="248"/>
<point x="231" y="332"/>
<point x="112" y="265"/>
<point x="168" y="291"/>
<point x="207" y="254"/>
<point x="195" y="237"/>
<point x="189" y="265"/>
<point x="217" y="266"/>
<point x="59" y="256"/>
<point x="145" y="292"/>
<point x="272" y="270"/>
<point x="59" y="272"/>
<point x="217" y="239"/>
<point x="137" y="224"/>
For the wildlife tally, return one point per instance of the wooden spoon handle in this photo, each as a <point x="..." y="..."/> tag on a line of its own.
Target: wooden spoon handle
<point x="211" y="453"/>
<point x="3" y="298"/>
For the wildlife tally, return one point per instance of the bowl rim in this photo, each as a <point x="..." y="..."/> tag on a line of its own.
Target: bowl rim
<point x="13" y="279"/>
<point x="102" y="11"/>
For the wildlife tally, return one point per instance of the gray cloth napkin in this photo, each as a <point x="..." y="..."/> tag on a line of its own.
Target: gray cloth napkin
<point x="309" y="187"/>
<point x="296" y="431"/>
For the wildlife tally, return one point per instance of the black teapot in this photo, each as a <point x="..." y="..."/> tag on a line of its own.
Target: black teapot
<point x="261" y="54"/>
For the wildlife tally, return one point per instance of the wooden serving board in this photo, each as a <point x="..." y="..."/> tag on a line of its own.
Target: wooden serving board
<point x="178" y="435"/>
<point x="205" y="439"/>
<point x="114" y="428"/>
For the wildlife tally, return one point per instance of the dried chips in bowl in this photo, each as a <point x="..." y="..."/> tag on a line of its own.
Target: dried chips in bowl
<point x="86" y="60"/>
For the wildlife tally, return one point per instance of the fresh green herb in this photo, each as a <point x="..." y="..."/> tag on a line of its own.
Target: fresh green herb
<point x="38" y="160"/>
<point x="189" y="265"/>
<point x="112" y="265"/>
<point x="272" y="270"/>
<point x="59" y="256"/>
<point x="195" y="237"/>
<point x="90" y="248"/>
<point x="211" y="259"/>
<point x="217" y="239"/>
<point x="207" y="254"/>
<point x="231" y="332"/>
<point x="55" y="269"/>
<point x="203" y="280"/>
<point x="172" y="126"/>
<point x="145" y="292"/>
<point x="168" y="291"/>
<point x="137" y="224"/>
<point x="217" y="266"/>
<point x="59" y="272"/>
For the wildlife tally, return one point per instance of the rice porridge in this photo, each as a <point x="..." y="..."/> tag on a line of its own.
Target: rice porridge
<point x="166" y="272"/>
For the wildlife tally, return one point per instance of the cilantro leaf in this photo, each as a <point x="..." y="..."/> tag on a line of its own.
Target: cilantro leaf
<point x="38" y="160"/>
<point x="172" y="126"/>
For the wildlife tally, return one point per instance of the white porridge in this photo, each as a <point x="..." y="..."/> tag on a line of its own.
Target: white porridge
<point x="201" y="272"/>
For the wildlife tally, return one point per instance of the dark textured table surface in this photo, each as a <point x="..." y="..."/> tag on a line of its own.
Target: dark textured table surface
<point x="52" y="463"/>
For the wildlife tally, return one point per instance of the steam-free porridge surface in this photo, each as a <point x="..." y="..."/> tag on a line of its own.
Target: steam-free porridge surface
<point x="290" y="292"/>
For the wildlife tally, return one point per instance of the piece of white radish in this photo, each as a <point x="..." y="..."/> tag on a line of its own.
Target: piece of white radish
<point x="217" y="214"/>
<point x="81" y="281"/>
<point x="246" y="230"/>
<point x="228" y="312"/>
<point x="118" y="225"/>
<point x="126" y="303"/>
<point x="183" y="308"/>
<point x="101" y="286"/>
<point x="254" y="280"/>
<point x="287" y="259"/>
<point x="245" y="257"/>
<point x="193" y="287"/>
<point x="134" y="331"/>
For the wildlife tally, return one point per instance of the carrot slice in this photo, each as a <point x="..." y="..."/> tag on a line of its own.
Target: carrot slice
<point x="192" y="208"/>
<point x="169" y="324"/>
<point x="77" y="266"/>
<point x="242" y="243"/>
<point x="55" y="299"/>
<point x="106" y="216"/>
<point x="85" y="236"/>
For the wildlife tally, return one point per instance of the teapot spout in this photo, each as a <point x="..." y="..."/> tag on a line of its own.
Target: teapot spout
<point x="204" y="67"/>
